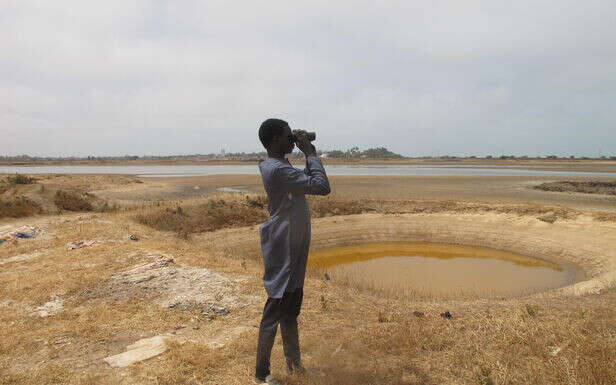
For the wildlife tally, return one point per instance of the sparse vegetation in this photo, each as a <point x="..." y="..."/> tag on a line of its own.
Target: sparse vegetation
<point x="549" y="218"/>
<point x="20" y="179"/>
<point x="18" y="207"/>
<point x="590" y="187"/>
<point x="72" y="201"/>
<point x="211" y="215"/>
<point x="228" y="211"/>
<point x="532" y="310"/>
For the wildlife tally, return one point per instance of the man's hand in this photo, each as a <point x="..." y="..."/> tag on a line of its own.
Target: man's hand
<point x="304" y="144"/>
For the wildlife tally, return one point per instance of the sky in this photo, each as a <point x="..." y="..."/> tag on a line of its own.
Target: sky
<point x="422" y="78"/>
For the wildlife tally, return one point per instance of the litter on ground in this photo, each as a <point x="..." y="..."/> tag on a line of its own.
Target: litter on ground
<point x="23" y="232"/>
<point x="80" y="244"/>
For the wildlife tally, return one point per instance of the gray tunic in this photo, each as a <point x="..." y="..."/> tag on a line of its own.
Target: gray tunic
<point x="285" y="237"/>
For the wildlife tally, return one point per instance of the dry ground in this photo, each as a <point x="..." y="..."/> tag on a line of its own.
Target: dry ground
<point x="63" y="311"/>
<point x="488" y="189"/>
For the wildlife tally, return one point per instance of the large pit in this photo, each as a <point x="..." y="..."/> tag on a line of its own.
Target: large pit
<point x="583" y="252"/>
<point x="413" y="269"/>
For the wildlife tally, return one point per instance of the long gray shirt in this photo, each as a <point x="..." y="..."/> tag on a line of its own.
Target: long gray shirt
<point x="285" y="237"/>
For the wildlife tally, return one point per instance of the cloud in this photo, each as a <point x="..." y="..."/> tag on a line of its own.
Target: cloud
<point x="151" y="77"/>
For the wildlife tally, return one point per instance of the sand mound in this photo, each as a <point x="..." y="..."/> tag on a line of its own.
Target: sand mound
<point x="171" y="286"/>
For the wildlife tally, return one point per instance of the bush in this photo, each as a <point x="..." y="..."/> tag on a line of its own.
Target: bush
<point x="212" y="215"/>
<point x="588" y="187"/>
<point x="20" y="179"/>
<point x="71" y="201"/>
<point x="19" y="207"/>
<point x="532" y="310"/>
<point x="326" y="206"/>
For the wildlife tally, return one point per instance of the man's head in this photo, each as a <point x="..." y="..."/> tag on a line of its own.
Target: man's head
<point x="276" y="136"/>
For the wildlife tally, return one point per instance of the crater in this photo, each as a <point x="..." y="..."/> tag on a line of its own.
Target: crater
<point x="584" y="253"/>
<point x="439" y="270"/>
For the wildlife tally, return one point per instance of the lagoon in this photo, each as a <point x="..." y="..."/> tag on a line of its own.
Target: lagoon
<point x="370" y="170"/>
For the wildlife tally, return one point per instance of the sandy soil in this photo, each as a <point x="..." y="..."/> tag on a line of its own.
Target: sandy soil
<point x="492" y="189"/>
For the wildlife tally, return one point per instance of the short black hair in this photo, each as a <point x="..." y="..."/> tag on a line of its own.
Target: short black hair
<point x="269" y="129"/>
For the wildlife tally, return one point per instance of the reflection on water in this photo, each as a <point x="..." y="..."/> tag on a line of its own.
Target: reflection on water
<point x="440" y="270"/>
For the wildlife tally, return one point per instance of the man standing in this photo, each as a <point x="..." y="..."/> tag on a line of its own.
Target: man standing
<point x="285" y="239"/>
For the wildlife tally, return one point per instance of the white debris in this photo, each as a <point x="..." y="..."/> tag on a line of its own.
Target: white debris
<point x="139" y="351"/>
<point x="80" y="244"/>
<point x="49" y="308"/>
<point x="554" y="350"/>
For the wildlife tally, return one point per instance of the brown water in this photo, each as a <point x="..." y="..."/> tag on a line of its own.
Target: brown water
<point x="438" y="270"/>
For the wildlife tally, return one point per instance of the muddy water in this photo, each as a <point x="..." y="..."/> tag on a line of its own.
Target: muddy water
<point x="438" y="270"/>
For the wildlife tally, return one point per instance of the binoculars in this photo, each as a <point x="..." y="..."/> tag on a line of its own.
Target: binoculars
<point x="310" y="135"/>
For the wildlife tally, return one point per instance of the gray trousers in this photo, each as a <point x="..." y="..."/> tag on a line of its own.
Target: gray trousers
<point x="283" y="311"/>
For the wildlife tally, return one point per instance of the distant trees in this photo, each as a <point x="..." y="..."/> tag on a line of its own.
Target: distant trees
<point x="380" y="152"/>
<point x="336" y="154"/>
<point x="355" y="152"/>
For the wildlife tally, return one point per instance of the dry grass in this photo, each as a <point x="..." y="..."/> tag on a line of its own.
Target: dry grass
<point x="237" y="210"/>
<point x="229" y="211"/>
<point x="590" y="187"/>
<point x="213" y="214"/>
<point x="382" y="342"/>
<point x="72" y="201"/>
<point x="51" y="194"/>
<point x="604" y="217"/>
<point x="20" y="179"/>
<point x="18" y="207"/>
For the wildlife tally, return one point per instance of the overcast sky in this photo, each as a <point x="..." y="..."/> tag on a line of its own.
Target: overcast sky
<point x="418" y="77"/>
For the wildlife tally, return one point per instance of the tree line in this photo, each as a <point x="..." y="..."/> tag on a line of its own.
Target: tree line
<point x="355" y="152"/>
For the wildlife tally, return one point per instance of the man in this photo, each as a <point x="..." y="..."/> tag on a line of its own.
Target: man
<point x="285" y="239"/>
